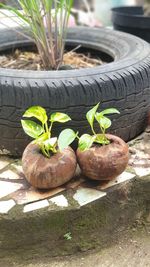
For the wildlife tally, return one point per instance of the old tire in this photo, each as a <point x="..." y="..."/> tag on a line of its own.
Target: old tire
<point x="123" y="84"/>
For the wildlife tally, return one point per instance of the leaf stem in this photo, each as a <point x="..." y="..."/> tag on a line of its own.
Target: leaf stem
<point x="47" y="130"/>
<point x="44" y="151"/>
<point x="93" y="131"/>
<point x="50" y="128"/>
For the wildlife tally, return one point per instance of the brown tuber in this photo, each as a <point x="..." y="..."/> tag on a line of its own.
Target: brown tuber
<point x="44" y="173"/>
<point x="104" y="162"/>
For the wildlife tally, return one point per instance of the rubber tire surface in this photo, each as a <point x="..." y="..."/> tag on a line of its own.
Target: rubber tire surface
<point x="123" y="84"/>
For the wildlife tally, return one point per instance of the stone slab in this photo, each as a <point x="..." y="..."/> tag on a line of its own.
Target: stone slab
<point x="36" y="205"/>
<point x="17" y="167"/>
<point x="31" y="194"/>
<point x="142" y="171"/>
<point x="6" y="206"/>
<point x="87" y="195"/>
<point x="4" y="162"/>
<point x="7" y="188"/>
<point x="125" y="176"/>
<point x="9" y="174"/>
<point x="60" y="201"/>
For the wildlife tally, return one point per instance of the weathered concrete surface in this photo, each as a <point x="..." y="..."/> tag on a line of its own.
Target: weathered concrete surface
<point x="93" y="226"/>
<point x="130" y="250"/>
<point x="34" y="223"/>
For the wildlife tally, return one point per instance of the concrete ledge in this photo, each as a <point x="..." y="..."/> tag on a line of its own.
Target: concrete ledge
<point x="93" y="225"/>
<point x="90" y="213"/>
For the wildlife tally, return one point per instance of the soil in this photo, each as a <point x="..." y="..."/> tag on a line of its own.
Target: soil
<point x="131" y="250"/>
<point x="31" y="60"/>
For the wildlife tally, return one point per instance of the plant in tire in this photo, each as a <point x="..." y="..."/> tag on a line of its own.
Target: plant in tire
<point x="47" y="22"/>
<point x="101" y="156"/>
<point x="47" y="161"/>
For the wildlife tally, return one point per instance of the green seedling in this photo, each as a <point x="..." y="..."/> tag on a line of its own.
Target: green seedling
<point x="86" y="140"/>
<point x="68" y="236"/>
<point x="42" y="132"/>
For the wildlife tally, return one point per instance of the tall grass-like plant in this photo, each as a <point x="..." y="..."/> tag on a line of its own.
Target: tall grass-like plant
<point x="47" y="21"/>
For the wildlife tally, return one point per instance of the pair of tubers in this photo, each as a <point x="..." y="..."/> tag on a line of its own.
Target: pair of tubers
<point x="98" y="163"/>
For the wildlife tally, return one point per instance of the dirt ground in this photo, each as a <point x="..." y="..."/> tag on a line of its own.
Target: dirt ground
<point x="131" y="249"/>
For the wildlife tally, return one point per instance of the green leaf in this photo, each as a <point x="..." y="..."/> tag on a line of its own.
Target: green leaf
<point x="98" y="116"/>
<point x="50" y="144"/>
<point x="31" y="128"/>
<point x="68" y="236"/>
<point x="110" y="111"/>
<point x="105" y="123"/>
<point x="42" y="138"/>
<point x="51" y="141"/>
<point x="59" y="117"/>
<point x="102" y="139"/>
<point x="15" y="11"/>
<point x="36" y="112"/>
<point x="48" y="23"/>
<point x="65" y="138"/>
<point x="47" y="145"/>
<point x="90" y="115"/>
<point x="86" y="141"/>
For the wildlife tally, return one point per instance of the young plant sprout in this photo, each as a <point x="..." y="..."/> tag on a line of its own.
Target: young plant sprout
<point x="108" y="156"/>
<point x="47" y="22"/>
<point x="86" y="140"/>
<point x="42" y="133"/>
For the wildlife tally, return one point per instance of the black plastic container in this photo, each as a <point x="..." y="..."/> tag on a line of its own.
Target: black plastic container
<point x="131" y="19"/>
